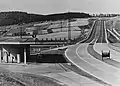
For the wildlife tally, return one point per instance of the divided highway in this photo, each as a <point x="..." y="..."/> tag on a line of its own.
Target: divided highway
<point x="101" y="38"/>
<point x="79" y="56"/>
<point x="97" y="33"/>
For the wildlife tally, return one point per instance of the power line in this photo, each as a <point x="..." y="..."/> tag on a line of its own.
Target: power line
<point x="21" y="32"/>
<point x="69" y="28"/>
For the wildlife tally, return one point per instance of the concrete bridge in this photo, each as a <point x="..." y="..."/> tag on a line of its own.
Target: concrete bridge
<point x="14" y="53"/>
<point x="19" y="52"/>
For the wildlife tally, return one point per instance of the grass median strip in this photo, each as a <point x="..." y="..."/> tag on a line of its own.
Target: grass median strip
<point x="8" y="78"/>
<point x="92" y="52"/>
<point x="85" y="74"/>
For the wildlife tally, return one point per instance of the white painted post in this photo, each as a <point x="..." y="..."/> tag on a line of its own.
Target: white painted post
<point x="10" y="57"/>
<point x="24" y="55"/>
<point x="18" y="58"/>
<point x="5" y="56"/>
<point x="0" y="55"/>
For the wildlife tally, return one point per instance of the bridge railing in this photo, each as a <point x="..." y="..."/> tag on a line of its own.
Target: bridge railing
<point x="56" y="41"/>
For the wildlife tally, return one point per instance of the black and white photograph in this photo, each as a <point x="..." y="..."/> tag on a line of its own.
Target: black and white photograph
<point x="59" y="42"/>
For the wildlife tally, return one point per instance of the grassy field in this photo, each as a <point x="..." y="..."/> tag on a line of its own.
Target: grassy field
<point x="114" y="23"/>
<point x="59" y="35"/>
<point x="8" y="78"/>
<point x="41" y="28"/>
<point x="117" y="26"/>
<point x="59" y="32"/>
<point x="25" y="79"/>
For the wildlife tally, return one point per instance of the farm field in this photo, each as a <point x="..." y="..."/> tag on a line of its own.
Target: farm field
<point x="59" y="35"/>
<point x="63" y="32"/>
<point x="46" y="75"/>
<point x="114" y="23"/>
<point x="117" y="26"/>
<point x="59" y="29"/>
<point x="10" y="78"/>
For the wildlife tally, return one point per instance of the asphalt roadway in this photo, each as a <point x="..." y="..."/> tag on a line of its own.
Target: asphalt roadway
<point x="79" y="56"/>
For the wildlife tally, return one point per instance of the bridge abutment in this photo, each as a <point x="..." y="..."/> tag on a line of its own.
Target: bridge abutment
<point x="14" y="53"/>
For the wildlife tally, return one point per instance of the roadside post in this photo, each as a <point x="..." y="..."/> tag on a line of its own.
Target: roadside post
<point x="25" y="58"/>
<point x="0" y="55"/>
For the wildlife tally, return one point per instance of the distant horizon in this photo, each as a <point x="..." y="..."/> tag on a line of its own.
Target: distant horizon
<point x="56" y="12"/>
<point x="57" y="6"/>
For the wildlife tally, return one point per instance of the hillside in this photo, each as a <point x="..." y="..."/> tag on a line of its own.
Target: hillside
<point x="16" y="17"/>
<point x="60" y="16"/>
<point x="9" y="18"/>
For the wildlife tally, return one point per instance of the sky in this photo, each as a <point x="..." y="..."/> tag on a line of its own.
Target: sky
<point x="57" y="6"/>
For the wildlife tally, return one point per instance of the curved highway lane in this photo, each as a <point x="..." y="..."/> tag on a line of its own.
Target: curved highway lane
<point x="79" y="56"/>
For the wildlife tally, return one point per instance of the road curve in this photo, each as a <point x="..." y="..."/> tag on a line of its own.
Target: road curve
<point x="80" y="57"/>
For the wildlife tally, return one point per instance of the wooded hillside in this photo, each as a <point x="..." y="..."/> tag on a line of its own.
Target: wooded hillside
<point x="16" y="17"/>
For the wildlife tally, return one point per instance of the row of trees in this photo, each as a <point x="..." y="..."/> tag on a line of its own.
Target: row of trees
<point x="17" y="17"/>
<point x="105" y="15"/>
<point x="64" y="16"/>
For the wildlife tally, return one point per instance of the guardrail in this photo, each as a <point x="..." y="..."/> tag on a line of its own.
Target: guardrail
<point x="111" y="37"/>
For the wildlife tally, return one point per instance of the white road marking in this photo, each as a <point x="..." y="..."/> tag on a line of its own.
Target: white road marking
<point x="102" y="31"/>
<point x="116" y="32"/>
<point x="97" y="60"/>
<point x="105" y="32"/>
<point x="96" y="37"/>
<point x="88" y="62"/>
<point x="80" y="67"/>
<point x="83" y="68"/>
<point x="113" y="34"/>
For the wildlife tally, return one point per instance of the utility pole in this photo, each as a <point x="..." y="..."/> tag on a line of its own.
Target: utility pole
<point x="21" y="32"/>
<point x="69" y="29"/>
<point x="61" y="25"/>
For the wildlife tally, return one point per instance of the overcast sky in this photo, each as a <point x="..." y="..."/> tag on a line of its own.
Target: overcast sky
<point x="55" y="6"/>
